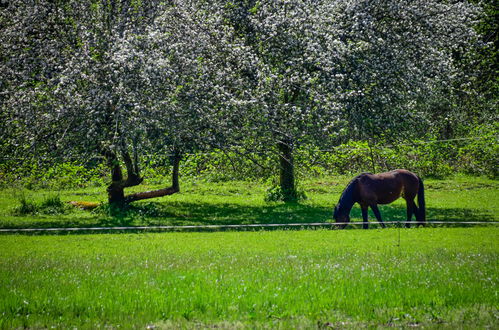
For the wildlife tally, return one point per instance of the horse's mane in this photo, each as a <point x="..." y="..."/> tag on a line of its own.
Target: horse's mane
<point x="346" y="199"/>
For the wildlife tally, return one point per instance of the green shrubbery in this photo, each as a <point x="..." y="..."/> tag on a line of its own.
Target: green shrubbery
<point x="38" y="175"/>
<point x="276" y="194"/>
<point x="478" y="155"/>
<point x="481" y="156"/>
<point x="50" y="205"/>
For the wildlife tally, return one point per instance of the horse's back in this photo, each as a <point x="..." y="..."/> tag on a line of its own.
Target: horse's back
<point x="400" y="175"/>
<point x="409" y="181"/>
<point x="384" y="188"/>
<point x="408" y="177"/>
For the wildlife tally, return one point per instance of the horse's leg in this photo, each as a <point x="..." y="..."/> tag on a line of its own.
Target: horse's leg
<point x="375" y="209"/>
<point x="417" y="213"/>
<point x="365" y="224"/>
<point x="411" y="209"/>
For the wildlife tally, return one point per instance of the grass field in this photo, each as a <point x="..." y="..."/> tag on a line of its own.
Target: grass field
<point x="202" y="203"/>
<point x="436" y="277"/>
<point x="420" y="277"/>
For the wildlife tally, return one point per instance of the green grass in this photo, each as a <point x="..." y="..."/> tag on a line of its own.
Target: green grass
<point x="429" y="277"/>
<point x="432" y="277"/>
<point x="202" y="203"/>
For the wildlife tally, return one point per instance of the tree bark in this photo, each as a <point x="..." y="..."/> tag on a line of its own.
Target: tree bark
<point x="287" y="172"/>
<point x="175" y="187"/>
<point x="116" y="194"/>
<point x="116" y="190"/>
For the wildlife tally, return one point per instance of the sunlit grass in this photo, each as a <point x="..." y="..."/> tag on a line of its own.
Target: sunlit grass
<point x="202" y="203"/>
<point x="291" y="279"/>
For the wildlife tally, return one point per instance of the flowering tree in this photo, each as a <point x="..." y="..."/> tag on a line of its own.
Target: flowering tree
<point x="118" y="79"/>
<point x="401" y="58"/>
<point x="367" y="66"/>
<point x="122" y="79"/>
<point x="288" y="87"/>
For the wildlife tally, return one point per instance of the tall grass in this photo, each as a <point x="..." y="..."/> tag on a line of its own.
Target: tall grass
<point x="49" y="205"/>
<point x="290" y="279"/>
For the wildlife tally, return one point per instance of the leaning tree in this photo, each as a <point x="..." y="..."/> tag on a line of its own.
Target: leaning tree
<point x="113" y="79"/>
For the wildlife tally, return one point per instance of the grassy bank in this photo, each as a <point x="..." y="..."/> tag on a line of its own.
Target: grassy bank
<point x="434" y="276"/>
<point x="202" y="203"/>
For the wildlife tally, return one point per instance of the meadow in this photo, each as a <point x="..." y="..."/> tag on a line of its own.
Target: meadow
<point x="420" y="277"/>
<point x="201" y="202"/>
<point x="431" y="277"/>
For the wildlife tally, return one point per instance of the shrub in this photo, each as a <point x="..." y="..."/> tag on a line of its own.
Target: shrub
<point x="43" y="175"/>
<point x="276" y="194"/>
<point x="51" y="204"/>
<point x="26" y="207"/>
<point x="481" y="156"/>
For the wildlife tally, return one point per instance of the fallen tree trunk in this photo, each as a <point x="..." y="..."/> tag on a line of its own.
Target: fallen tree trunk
<point x="175" y="187"/>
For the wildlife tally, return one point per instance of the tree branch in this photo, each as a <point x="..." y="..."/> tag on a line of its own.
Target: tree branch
<point x="175" y="187"/>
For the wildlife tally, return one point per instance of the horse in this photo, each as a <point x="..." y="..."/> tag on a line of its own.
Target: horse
<point x="369" y="190"/>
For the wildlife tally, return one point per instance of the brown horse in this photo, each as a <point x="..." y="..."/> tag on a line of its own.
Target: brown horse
<point x="369" y="190"/>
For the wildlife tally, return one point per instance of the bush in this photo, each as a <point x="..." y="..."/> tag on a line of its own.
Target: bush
<point x="481" y="156"/>
<point x="51" y="204"/>
<point x="276" y="194"/>
<point x="26" y="207"/>
<point x="478" y="155"/>
<point x="41" y="175"/>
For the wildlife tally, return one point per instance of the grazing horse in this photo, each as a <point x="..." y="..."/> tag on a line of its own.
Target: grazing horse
<point x="369" y="190"/>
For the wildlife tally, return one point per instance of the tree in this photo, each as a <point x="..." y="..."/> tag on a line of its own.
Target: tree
<point x="120" y="79"/>
<point x="474" y="98"/>
<point x="124" y="77"/>
<point x="400" y="60"/>
<point x="367" y="66"/>
<point x="284" y="78"/>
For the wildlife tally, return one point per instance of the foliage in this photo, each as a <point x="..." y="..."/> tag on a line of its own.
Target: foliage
<point x="49" y="205"/>
<point x="26" y="207"/>
<point x="123" y="80"/>
<point x="476" y="155"/>
<point x="46" y="175"/>
<point x="482" y="155"/>
<point x="276" y="194"/>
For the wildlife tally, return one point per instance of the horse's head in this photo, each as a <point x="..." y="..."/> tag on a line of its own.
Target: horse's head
<point x="341" y="215"/>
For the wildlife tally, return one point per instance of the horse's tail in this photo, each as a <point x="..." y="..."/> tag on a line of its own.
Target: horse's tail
<point x="421" y="202"/>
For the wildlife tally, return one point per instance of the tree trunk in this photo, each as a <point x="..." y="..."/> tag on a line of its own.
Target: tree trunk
<point x="116" y="190"/>
<point x="116" y="194"/>
<point x="287" y="172"/>
<point x="175" y="187"/>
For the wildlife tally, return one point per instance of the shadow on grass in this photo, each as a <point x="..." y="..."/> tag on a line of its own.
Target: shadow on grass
<point x="185" y="213"/>
<point x="198" y="213"/>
